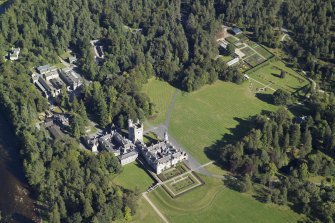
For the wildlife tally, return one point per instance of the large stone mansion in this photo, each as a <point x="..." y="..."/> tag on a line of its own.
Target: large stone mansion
<point x="160" y="156"/>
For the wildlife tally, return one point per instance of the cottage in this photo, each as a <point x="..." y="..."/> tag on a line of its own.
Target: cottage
<point x="236" y="31"/>
<point x="72" y="59"/>
<point x="14" y="54"/>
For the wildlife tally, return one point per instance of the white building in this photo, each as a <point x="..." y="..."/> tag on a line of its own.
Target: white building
<point x="233" y="61"/>
<point x="163" y="155"/>
<point x="51" y="81"/>
<point x="14" y="54"/>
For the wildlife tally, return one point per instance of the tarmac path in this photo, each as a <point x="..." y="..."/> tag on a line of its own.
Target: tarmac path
<point x="155" y="208"/>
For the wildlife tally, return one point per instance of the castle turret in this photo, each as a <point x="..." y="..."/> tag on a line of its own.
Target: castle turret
<point x="166" y="137"/>
<point x="130" y="123"/>
<point x="135" y="131"/>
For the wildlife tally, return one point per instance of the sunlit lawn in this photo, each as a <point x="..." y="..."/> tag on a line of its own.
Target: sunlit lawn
<point x="201" y="118"/>
<point x="161" y="93"/>
<point x="134" y="176"/>
<point x="215" y="203"/>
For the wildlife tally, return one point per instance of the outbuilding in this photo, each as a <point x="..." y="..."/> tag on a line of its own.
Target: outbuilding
<point x="236" y="31"/>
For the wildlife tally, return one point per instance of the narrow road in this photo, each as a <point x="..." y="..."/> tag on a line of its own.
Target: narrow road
<point x="192" y="163"/>
<point x="169" y="111"/>
<point x="155" y="208"/>
<point x="283" y="37"/>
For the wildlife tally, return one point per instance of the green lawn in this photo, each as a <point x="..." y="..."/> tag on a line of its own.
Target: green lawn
<point x="150" y="138"/>
<point x="213" y="203"/>
<point x="145" y="213"/>
<point x="226" y="58"/>
<point x="161" y="93"/>
<point x="65" y="55"/>
<point x="216" y="169"/>
<point x="291" y="83"/>
<point x="201" y="118"/>
<point x="232" y="39"/>
<point x="59" y="65"/>
<point x="133" y="176"/>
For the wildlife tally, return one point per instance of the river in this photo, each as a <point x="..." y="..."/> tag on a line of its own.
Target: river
<point x="15" y="203"/>
<point x="16" y="206"/>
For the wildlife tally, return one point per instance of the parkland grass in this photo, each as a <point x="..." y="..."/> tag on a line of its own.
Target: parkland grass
<point x="217" y="170"/>
<point x="145" y="213"/>
<point x="215" y="203"/>
<point x="201" y="118"/>
<point x="134" y="176"/>
<point x="161" y="93"/>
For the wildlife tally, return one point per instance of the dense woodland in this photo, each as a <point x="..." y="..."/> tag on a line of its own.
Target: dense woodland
<point x="311" y="25"/>
<point x="72" y="185"/>
<point x="175" y="43"/>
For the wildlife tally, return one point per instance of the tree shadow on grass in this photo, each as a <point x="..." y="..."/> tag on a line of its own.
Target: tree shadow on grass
<point x="265" y="97"/>
<point x="276" y="75"/>
<point x="237" y="133"/>
<point x="243" y="127"/>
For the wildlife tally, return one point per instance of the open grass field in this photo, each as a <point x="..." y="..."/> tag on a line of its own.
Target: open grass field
<point x="65" y="55"/>
<point x="133" y="176"/>
<point x="270" y="73"/>
<point x="161" y="93"/>
<point x="59" y="65"/>
<point x="213" y="203"/>
<point x="216" y="169"/>
<point x="232" y="39"/>
<point x="226" y="58"/>
<point x="201" y="118"/>
<point x="145" y="213"/>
